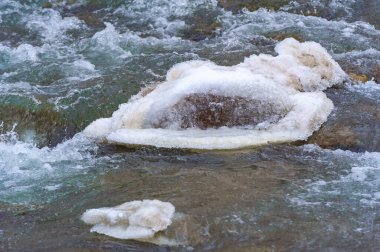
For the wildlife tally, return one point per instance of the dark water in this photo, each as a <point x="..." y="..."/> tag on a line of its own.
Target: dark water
<point x="62" y="65"/>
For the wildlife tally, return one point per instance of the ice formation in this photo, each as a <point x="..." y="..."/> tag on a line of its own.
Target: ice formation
<point x="205" y="106"/>
<point x="131" y="220"/>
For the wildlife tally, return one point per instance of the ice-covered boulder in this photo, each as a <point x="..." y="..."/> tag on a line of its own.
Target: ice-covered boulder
<point x="201" y="105"/>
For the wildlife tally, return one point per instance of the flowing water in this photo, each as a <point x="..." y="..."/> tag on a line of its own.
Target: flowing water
<point x="64" y="64"/>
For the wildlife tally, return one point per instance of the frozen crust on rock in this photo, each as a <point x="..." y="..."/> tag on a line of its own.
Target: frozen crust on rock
<point x="201" y="105"/>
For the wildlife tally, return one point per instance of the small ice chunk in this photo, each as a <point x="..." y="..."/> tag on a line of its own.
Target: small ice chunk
<point x="131" y="220"/>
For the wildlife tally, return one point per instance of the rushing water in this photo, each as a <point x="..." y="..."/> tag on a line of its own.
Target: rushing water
<point x="65" y="64"/>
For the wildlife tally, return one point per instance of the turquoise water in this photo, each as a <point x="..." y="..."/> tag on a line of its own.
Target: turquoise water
<point x="64" y="66"/>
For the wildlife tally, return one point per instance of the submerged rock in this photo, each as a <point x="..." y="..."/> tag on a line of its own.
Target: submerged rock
<point x="198" y="33"/>
<point x="91" y="19"/>
<point x="251" y="5"/>
<point x="42" y="125"/>
<point x="200" y="26"/>
<point x="205" y="106"/>
<point x="376" y="74"/>
<point x="358" y="77"/>
<point x="281" y="36"/>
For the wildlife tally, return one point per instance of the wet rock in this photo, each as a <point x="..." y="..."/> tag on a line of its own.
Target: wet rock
<point x="282" y="36"/>
<point x="47" y="5"/>
<point x="359" y="72"/>
<point x="100" y="4"/>
<point x="184" y="230"/>
<point x="200" y="32"/>
<point x="376" y="74"/>
<point x="91" y="19"/>
<point x="214" y="111"/>
<point x="44" y="126"/>
<point x="251" y="5"/>
<point x="13" y="35"/>
<point x="202" y="25"/>
<point x="358" y="77"/>
<point x="354" y="124"/>
<point x="58" y="3"/>
<point x="336" y="136"/>
<point x="316" y="8"/>
<point x="87" y="13"/>
<point x="368" y="11"/>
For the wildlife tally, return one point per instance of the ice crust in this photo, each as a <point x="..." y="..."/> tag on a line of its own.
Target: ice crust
<point x="131" y="220"/>
<point x="286" y="90"/>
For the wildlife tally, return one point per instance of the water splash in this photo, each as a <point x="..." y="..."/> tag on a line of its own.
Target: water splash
<point x="29" y="172"/>
<point x="355" y="180"/>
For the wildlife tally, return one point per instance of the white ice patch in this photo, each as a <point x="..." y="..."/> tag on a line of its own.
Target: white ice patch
<point x="265" y="87"/>
<point x="131" y="220"/>
<point x="303" y="66"/>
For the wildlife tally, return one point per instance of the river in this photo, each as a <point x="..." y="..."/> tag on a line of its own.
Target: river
<point x="64" y="64"/>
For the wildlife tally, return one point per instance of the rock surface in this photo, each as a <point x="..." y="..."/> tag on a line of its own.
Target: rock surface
<point x="353" y="125"/>
<point x="251" y="5"/>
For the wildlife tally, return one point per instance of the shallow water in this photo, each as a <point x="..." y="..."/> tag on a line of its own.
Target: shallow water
<point x="65" y="66"/>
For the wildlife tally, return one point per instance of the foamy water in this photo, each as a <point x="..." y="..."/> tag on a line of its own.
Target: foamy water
<point x="28" y="173"/>
<point x="355" y="178"/>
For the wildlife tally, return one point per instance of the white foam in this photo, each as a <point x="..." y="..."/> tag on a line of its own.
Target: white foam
<point x="356" y="179"/>
<point x="131" y="220"/>
<point x="24" y="165"/>
<point x="273" y="83"/>
<point x="334" y="6"/>
<point x="50" y="24"/>
<point x="238" y="30"/>
<point x="52" y="187"/>
<point x="110" y="40"/>
<point x="371" y="52"/>
<point x="370" y="89"/>
<point x="84" y="64"/>
<point x="23" y="52"/>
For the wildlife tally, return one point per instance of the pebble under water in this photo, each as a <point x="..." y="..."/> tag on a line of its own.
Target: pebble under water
<point x="64" y="64"/>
